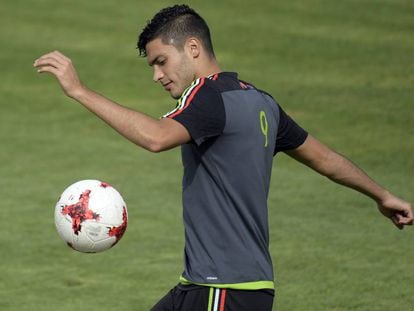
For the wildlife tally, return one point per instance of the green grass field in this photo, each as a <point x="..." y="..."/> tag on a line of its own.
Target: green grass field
<point x="343" y="69"/>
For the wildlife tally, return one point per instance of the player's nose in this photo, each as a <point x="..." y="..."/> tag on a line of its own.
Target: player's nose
<point x="157" y="74"/>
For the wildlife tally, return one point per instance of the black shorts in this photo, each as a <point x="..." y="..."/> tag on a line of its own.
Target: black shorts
<point x="203" y="298"/>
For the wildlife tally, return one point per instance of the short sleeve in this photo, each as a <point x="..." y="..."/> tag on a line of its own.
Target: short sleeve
<point x="290" y="135"/>
<point x="201" y="111"/>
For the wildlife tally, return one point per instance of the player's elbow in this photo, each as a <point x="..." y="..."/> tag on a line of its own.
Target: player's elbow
<point x="155" y="147"/>
<point x="157" y="144"/>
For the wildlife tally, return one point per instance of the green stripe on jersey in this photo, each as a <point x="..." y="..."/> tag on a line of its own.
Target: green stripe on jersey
<point x="210" y="299"/>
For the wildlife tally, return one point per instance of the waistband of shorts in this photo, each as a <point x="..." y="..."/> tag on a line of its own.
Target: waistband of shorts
<point x="256" y="285"/>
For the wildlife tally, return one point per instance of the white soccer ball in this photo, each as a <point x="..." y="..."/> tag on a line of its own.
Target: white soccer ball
<point x="91" y="216"/>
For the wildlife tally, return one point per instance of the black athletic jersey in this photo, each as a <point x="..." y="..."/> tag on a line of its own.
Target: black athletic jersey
<point x="236" y="130"/>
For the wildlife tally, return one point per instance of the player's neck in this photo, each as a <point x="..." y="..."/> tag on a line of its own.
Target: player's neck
<point x="208" y="68"/>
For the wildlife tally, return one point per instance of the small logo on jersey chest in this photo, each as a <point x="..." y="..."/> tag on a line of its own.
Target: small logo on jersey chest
<point x="212" y="278"/>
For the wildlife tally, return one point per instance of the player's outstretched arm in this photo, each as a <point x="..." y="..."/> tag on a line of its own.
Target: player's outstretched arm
<point x="341" y="170"/>
<point x="145" y="131"/>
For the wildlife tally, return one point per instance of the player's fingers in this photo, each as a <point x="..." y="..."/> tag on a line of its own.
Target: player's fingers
<point x="49" y="69"/>
<point x="56" y="56"/>
<point x="47" y="61"/>
<point x="405" y="217"/>
<point x="400" y="221"/>
<point x="410" y="215"/>
<point x="62" y="56"/>
<point x="47" y="55"/>
<point x="396" y="222"/>
<point x="405" y="221"/>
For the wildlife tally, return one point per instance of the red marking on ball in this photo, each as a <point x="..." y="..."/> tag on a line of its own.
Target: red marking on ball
<point x="79" y="212"/>
<point x="119" y="231"/>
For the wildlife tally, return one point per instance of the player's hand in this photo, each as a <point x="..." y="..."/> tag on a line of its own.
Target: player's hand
<point x="62" y="68"/>
<point x="398" y="210"/>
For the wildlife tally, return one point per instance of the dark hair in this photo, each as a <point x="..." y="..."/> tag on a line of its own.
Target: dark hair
<point x="173" y="25"/>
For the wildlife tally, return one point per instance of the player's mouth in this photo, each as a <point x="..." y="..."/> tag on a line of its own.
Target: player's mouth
<point x="167" y="86"/>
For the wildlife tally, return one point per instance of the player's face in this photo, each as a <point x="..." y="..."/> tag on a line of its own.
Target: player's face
<point x="171" y="67"/>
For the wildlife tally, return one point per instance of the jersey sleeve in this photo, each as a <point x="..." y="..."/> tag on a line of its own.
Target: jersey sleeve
<point x="201" y="111"/>
<point x="290" y="135"/>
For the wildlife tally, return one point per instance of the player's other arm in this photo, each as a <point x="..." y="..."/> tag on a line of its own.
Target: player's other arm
<point x="342" y="171"/>
<point x="152" y="134"/>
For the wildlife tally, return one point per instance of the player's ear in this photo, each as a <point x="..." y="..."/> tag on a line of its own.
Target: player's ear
<point x="193" y="46"/>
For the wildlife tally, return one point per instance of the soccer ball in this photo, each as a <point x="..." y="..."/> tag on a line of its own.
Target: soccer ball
<point x="91" y="216"/>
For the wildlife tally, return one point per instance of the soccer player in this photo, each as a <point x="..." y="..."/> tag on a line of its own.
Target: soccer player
<point x="229" y="132"/>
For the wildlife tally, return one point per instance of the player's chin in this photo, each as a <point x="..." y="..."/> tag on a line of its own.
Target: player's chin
<point x="174" y="90"/>
<point x="175" y="95"/>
